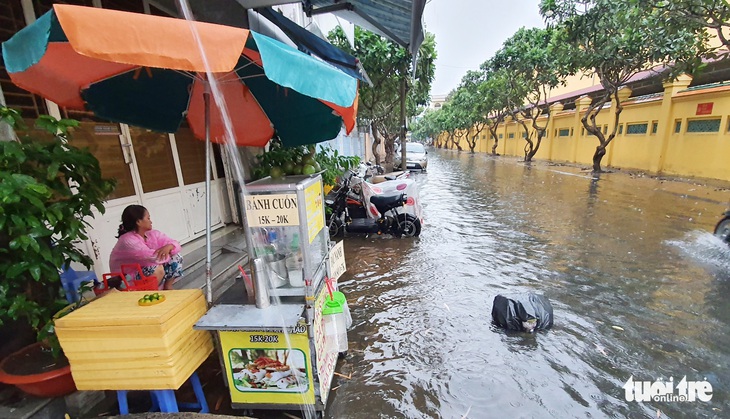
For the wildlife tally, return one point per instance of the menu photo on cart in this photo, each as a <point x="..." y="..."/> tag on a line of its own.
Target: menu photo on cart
<point x="278" y="370"/>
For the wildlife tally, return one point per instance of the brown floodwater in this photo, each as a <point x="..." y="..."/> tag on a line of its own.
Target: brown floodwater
<point x="638" y="284"/>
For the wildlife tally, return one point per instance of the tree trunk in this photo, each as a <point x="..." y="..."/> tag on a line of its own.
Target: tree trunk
<point x="540" y="134"/>
<point x="376" y="143"/>
<point x="389" y="153"/>
<point x="597" y="157"/>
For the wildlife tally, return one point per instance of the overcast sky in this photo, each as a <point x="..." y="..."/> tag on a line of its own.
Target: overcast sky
<point x="468" y="32"/>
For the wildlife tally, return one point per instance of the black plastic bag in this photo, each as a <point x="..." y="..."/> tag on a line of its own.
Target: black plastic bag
<point x="522" y="312"/>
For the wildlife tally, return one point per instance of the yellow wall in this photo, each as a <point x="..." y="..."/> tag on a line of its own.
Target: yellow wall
<point x="663" y="152"/>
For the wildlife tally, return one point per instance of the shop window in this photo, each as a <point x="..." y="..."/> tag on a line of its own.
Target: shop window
<point x="191" y="153"/>
<point x="703" y="125"/>
<point x="677" y="126"/>
<point x="102" y="140"/>
<point x="564" y="132"/>
<point x="636" y="129"/>
<point x="154" y="159"/>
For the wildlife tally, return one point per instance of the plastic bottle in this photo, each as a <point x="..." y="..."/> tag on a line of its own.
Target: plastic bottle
<point x="294" y="262"/>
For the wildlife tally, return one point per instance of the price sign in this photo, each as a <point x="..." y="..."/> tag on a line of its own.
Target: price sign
<point x="272" y="210"/>
<point x="337" y="260"/>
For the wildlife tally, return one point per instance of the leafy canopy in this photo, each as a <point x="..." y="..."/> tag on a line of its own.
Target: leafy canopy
<point x="48" y="188"/>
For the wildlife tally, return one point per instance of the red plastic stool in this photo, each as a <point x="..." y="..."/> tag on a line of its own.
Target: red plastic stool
<point x="165" y="401"/>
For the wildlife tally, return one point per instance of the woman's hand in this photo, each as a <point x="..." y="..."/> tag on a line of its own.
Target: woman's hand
<point x="163" y="252"/>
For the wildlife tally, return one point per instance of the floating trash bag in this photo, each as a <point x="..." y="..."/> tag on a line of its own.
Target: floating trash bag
<point x="522" y="312"/>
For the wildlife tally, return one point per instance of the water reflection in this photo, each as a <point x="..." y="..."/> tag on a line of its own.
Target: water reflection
<point x="637" y="283"/>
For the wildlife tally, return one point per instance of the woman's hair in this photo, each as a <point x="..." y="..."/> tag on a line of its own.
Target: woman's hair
<point x="130" y="216"/>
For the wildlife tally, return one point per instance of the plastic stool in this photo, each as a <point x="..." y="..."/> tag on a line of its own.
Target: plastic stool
<point x="71" y="280"/>
<point x="165" y="401"/>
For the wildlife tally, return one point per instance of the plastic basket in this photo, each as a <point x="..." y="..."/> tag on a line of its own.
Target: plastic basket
<point x="132" y="279"/>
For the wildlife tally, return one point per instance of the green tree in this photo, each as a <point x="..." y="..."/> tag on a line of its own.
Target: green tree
<point x="495" y="94"/>
<point x="536" y="60"/>
<point x="426" y="127"/>
<point x="388" y="64"/>
<point x="470" y="106"/>
<point x="455" y="119"/>
<point x="48" y="191"/>
<point x="616" y="40"/>
<point x="712" y="14"/>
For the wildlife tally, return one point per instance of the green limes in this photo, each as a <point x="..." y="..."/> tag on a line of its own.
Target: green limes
<point x="288" y="167"/>
<point x="308" y="169"/>
<point x="276" y="172"/>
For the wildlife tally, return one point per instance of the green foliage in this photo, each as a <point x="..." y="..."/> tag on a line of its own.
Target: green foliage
<point x="47" y="333"/>
<point x="617" y="39"/>
<point x="426" y="127"/>
<point x="712" y="14"/>
<point x="47" y="191"/>
<point x="387" y="64"/>
<point x="537" y="60"/>
<point x="291" y="161"/>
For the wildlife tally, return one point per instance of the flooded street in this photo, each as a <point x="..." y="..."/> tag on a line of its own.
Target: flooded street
<point x="638" y="284"/>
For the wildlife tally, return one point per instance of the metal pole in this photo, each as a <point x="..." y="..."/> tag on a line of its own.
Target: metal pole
<point x="403" y="122"/>
<point x="208" y="268"/>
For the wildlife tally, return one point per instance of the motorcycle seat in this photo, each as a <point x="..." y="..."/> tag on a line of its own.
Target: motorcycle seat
<point x="384" y="203"/>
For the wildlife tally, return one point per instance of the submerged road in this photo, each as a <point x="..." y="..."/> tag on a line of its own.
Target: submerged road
<point x="639" y="286"/>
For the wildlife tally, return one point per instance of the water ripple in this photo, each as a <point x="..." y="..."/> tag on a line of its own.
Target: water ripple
<point x="639" y="287"/>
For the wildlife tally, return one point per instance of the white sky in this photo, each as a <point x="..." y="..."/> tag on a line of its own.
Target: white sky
<point x="468" y="32"/>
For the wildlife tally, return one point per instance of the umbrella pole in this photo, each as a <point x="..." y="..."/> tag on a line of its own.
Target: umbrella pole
<point x="208" y="268"/>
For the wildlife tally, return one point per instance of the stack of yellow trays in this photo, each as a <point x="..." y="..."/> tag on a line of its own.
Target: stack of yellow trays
<point x="113" y="343"/>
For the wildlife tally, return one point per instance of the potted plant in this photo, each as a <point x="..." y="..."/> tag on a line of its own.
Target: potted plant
<point x="47" y="189"/>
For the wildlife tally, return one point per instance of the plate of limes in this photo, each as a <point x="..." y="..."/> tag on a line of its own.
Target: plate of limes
<point x="151" y="299"/>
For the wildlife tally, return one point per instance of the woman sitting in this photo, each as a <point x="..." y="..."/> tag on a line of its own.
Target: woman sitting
<point x="138" y="243"/>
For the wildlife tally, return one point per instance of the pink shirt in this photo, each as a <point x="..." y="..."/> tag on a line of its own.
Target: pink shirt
<point x="133" y="248"/>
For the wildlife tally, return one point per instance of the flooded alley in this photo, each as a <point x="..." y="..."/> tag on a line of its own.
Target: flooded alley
<point x="638" y="283"/>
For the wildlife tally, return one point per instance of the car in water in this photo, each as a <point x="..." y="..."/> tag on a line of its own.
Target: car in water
<point x="416" y="157"/>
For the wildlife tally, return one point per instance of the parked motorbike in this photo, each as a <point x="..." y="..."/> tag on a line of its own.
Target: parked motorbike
<point x="349" y="212"/>
<point x="722" y="230"/>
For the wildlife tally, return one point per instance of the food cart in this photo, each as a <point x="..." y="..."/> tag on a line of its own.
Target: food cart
<point x="279" y="356"/>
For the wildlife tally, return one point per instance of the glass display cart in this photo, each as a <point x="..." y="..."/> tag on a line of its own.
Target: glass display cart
<point x="279" y="355"/>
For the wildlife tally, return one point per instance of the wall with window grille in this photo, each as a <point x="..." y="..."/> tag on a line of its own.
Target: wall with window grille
<point x="693" y="139"/>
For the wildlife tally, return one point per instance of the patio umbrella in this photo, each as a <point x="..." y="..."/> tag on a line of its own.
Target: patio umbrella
<point x="153" y="72"/>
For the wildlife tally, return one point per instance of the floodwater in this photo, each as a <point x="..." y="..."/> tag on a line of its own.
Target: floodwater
<point x="638" y="284"/>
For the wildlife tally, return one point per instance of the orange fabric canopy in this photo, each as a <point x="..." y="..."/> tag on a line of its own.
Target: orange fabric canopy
<point x="164" y="42"/>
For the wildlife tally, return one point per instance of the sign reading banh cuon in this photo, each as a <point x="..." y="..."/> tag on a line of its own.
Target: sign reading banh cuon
<point x="272" y="210"/>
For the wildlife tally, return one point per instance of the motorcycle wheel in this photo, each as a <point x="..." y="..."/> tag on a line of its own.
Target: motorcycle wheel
<point x="336" y="227"/>
<point x="410" y="226"/>
<point x="722" y="230"/>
